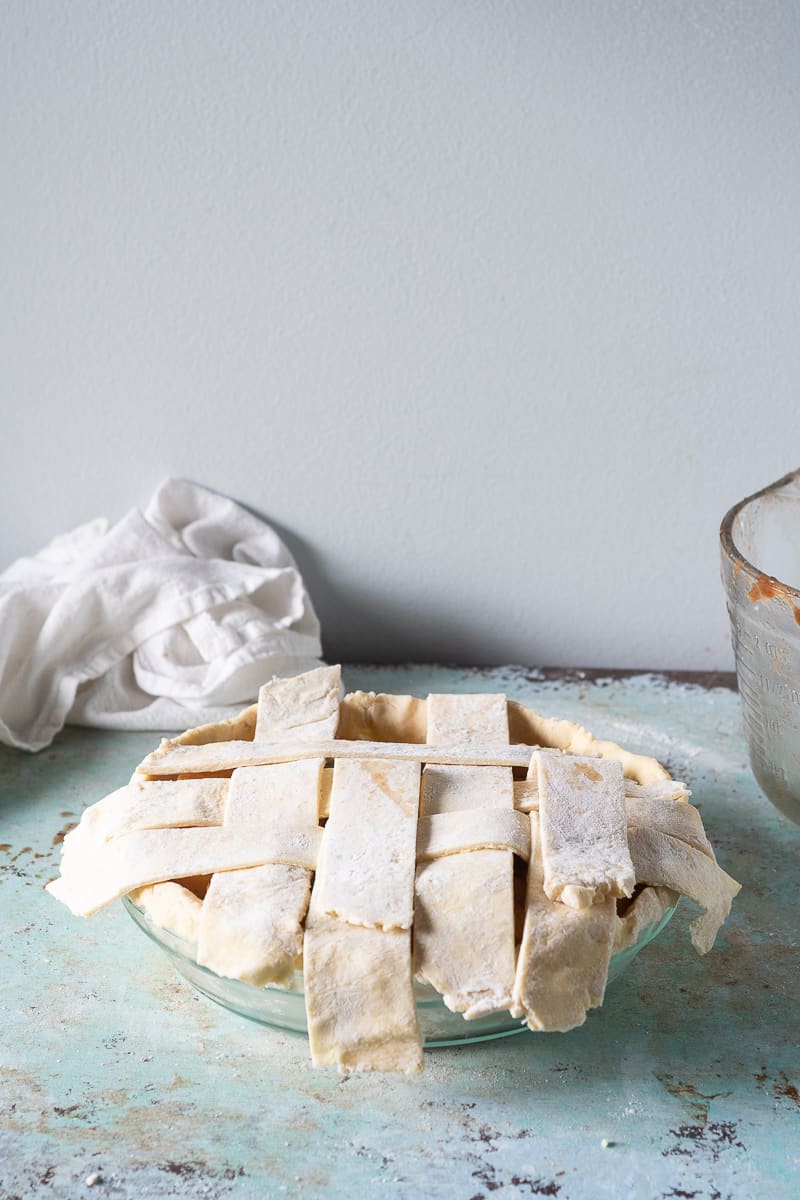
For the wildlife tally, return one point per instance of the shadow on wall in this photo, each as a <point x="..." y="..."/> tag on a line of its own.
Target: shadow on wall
<point x="364" y="623"/>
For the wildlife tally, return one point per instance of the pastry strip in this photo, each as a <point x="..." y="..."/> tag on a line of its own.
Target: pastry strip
<point x="654" y="806"/>
<point x="583" y="828"/>
<point x="674" y="817"/>
<point x="366" y="872"/>
<point x="173" y="759"/>
<point x="469" y="720"/>
<point x="661" y="859"/>
<point x="465" y="789"/>
<point x="464" y="912"/>
<point x="157" y="804"/>
<point x="304" y="707"/>
<point x="153" y="855"/>
<point x="459" y="832"/>
<point x="360" y="1005"/>
<point x="659" y="789"/>
<point x="284" y="796"/>
<point x="251" y="925"/>
<point x="563" y="960"/>
<point x="526" y="792"/>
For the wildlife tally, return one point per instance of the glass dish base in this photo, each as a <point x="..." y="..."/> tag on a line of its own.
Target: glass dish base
<point x="284" y="1008"/>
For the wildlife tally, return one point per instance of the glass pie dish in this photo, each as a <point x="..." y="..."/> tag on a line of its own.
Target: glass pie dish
<point x="284" y="1008"/>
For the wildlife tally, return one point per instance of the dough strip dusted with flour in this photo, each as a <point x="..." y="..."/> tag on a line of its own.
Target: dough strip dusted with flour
<point x="563" y="960"/>
<point x="304" y="707"/>
<point x="146" y="804"/>
<point x="526" y="792"/>
<point x="583" y="828"/>
<point x="666" y="861"/>
<point x="673" y="817"/>
<point x="658" y="806"/>
<point x="360" y="1002"/>
<point x="464" y="911"/>
<point x="478" y="829"/>
<point x="173" y="758"/>
<point x="87" y="884"/>
<point x="251" y="923"/>
<point x="369" y="846"/>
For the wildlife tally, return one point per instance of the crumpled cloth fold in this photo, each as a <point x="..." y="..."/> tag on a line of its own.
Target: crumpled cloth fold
<point x="169" y="618"/>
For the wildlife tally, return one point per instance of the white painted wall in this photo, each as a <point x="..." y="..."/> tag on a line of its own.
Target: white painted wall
<point x="491" y="307"/>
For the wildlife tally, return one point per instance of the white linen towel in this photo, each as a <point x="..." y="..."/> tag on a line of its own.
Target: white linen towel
<point x="170" y="618"/>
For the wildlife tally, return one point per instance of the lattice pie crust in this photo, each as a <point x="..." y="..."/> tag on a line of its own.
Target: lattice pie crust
<point x="499" y="855"/>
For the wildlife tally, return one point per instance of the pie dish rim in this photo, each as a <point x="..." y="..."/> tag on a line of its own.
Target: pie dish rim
<point x="446" y="1029"/>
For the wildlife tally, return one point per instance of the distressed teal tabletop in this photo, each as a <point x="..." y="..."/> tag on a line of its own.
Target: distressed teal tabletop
<point x="114" y="1070"/>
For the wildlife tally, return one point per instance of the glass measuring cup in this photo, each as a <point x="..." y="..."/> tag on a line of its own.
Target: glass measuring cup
<point x="760" y="545"/>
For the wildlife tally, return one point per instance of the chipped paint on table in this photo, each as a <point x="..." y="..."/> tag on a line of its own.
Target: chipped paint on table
<point x="112" y="1066"/>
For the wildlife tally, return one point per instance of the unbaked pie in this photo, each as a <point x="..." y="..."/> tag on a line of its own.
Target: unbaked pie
<point x="465" y="840"/>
